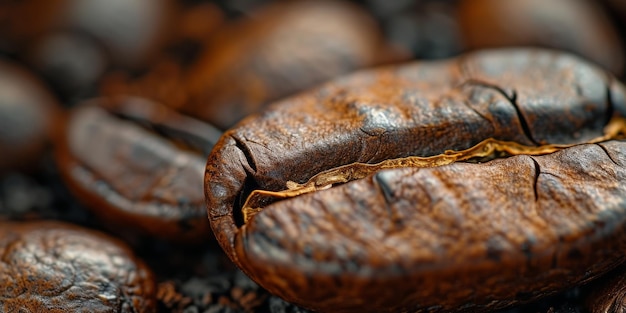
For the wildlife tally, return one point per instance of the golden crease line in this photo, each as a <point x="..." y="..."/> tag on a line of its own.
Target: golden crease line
<point x="615" y="129"/>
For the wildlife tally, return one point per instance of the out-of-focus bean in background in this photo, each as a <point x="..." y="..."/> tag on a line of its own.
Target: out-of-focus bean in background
<point x="220" y="61"/>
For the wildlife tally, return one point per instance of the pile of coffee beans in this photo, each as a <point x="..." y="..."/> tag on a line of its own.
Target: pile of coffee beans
<point x="136" y="134"/>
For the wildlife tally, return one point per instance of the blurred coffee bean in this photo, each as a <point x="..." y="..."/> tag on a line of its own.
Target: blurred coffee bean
<point x="163" y="84"/>
<point x="70" y="62"/>
<point x="27" y="116"/>
<point x="128" y="29"/>
<point x="194" y="25"/>
<point x="57" y="267"/>
<point x="71" y="42"/>
<point x="23" y="21"/>
<point x="429" y="30"/>
<point x="138" y="166"/>
<point x="276" y="52"/>
<point x="131" y="30"/>
<point x="578" y="26"/>
<point x="163" y="81"/>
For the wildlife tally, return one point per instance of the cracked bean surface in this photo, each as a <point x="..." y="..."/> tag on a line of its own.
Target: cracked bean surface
<point x="459" y="237"/>
<point x="58" y="267"/>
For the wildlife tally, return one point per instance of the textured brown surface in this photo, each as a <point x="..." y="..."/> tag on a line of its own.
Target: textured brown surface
<point x="461" y="236"/>
<point x="469" y="234"/>
<point x="146" y="179"/>
<point x="57" y="267"/>
<point x="577" y="26"/>
<point x="277" y="52"/>
<point x="28" y="112"/>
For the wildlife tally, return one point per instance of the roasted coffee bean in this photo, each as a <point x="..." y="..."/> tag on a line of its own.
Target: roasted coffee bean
<point x="458" y="237"/>
<point x="282" y="50"/>
<point x="578" y="26"/>
<point x="138" y="165"/>
<point x="58" y="267"/>
<point x="473" y="235"/>
<point x="28" y="113"/>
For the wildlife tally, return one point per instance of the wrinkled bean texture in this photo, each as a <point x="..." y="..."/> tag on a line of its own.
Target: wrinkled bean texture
<point x="57" y="267"/>
<point x="458" y="237"/>
<point x="146" y="179"/>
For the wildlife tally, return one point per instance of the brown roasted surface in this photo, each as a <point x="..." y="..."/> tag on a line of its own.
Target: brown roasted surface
<point x="374" y="155"/>
<point x="459" y="236"/>
<point x="138" y="164"/>
<point x="58" y="267"/>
